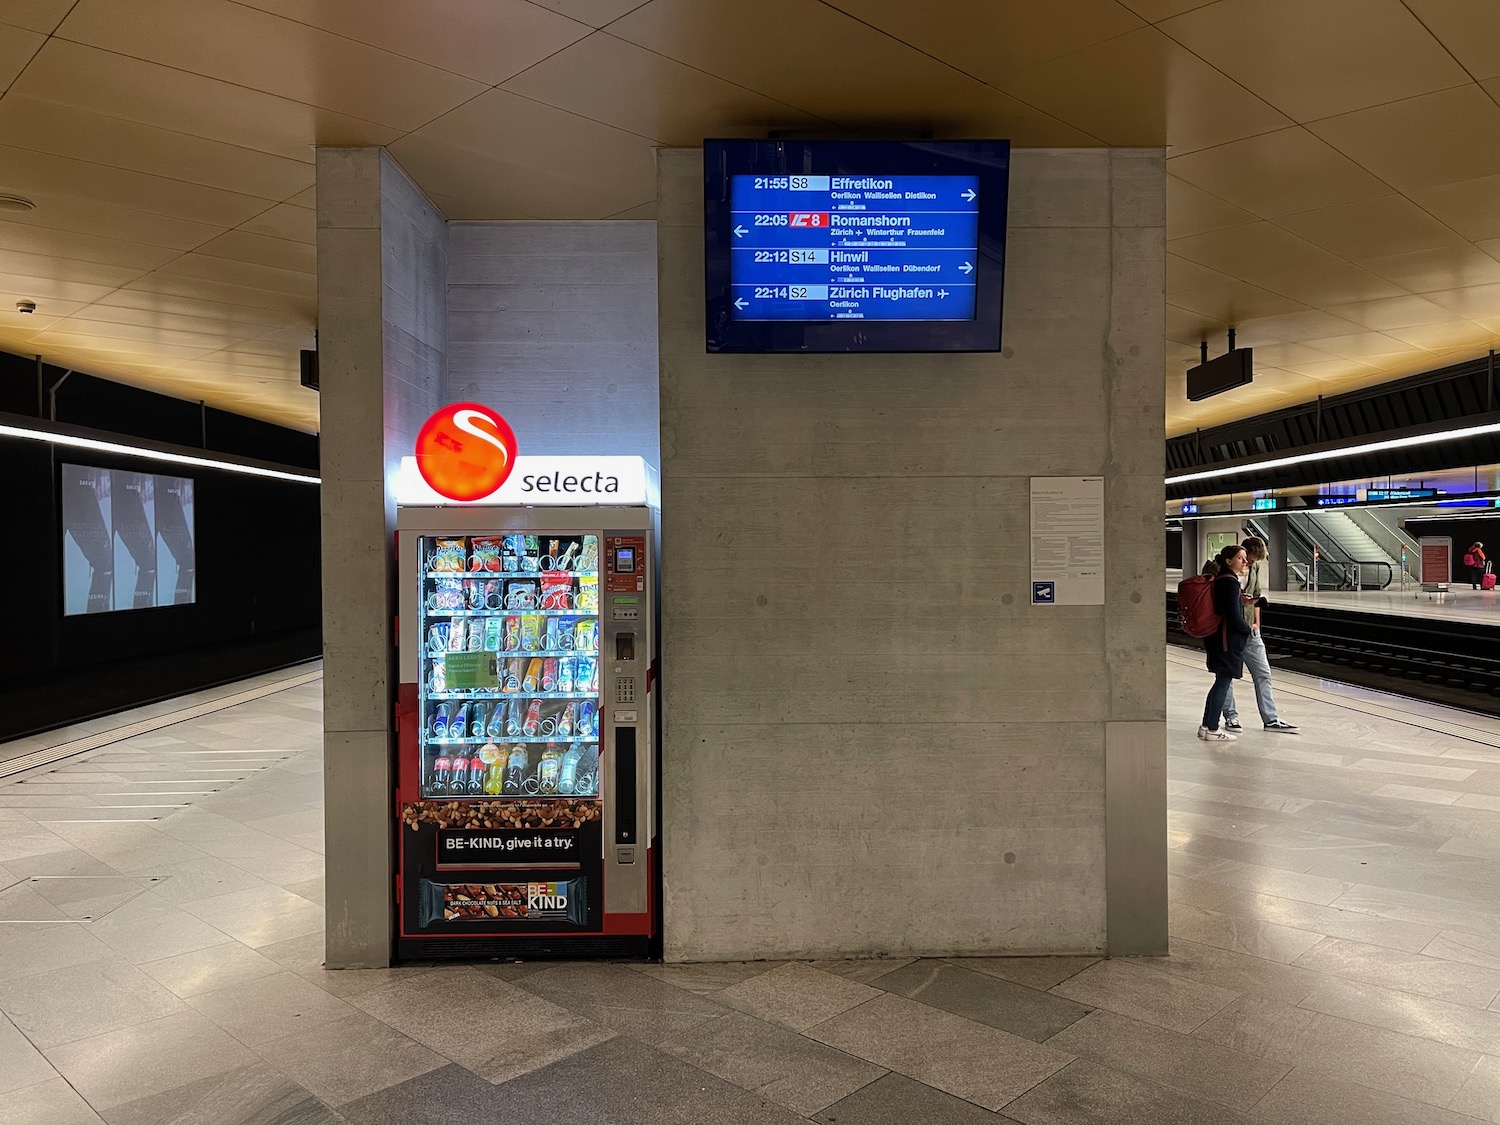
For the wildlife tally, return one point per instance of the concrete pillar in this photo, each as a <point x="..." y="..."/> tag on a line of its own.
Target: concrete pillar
<point x="381" y="338"/>
<point x="1192" y="548"/>
<point x="874" y="743"/>
<point x="1276" y="537"/>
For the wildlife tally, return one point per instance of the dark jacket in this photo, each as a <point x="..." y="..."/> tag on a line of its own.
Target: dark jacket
<point x="1226" y="645"/>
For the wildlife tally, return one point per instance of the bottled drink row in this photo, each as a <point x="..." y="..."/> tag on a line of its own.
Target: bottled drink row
<point x="550" y="675"/>
<point x="478" y="720"/>
<point x="516" y="633"/>
<point x="513" y="554"/>
<point x="518" y="771"/>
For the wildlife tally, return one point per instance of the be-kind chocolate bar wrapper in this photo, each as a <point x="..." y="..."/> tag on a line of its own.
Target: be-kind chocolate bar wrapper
<point x="494" y="902"/>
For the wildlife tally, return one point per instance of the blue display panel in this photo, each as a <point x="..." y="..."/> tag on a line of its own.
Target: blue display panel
<point x="855" y="246"/>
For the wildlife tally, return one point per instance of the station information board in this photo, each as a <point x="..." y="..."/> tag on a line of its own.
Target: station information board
<point x="854" y="247"/>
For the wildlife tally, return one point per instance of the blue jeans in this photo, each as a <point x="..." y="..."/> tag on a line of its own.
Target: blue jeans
<point x="1258" y="664"/>
<point x="1213" y="706"/>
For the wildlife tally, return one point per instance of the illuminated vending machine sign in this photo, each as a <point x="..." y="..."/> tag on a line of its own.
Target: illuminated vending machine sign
<point x="854" y="247"/>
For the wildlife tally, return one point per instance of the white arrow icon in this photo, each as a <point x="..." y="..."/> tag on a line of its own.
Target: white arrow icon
<point x="967" y="267"/>
<point x="741" y="303"/>
<point x="942" y="292"/>
<point x="971" y="195"/>
<point x="740" y="232"/>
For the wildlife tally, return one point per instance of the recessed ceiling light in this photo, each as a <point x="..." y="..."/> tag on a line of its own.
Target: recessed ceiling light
<point x="16" y="203"/>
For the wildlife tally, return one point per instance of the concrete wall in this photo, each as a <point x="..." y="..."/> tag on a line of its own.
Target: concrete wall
<point x="554" y="325"/>
<point x="874" y="744"/>
<point x="382" y="265"/>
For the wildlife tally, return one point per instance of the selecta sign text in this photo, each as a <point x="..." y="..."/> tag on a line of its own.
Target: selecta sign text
<point x="465" y="451"/>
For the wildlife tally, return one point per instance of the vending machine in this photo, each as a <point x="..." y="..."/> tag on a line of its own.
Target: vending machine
<point x="526" y="759"/>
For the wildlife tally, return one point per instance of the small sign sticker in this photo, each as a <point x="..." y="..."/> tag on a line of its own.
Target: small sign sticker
<point x="1043" y="593"/>
<point x="471" y="670"/>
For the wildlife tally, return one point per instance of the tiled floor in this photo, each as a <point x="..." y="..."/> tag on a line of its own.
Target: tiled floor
<point x="1460" y="603"/>
<point x="1336" y="959"/>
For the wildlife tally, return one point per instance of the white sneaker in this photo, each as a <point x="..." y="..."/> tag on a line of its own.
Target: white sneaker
<point x="1216" y="735"/>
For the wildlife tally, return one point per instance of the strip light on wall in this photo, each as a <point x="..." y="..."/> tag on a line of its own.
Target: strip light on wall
<point x="153" y="454"/>
<point x="1335" y="454"/>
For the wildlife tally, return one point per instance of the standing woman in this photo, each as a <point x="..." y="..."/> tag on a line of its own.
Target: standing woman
<point x="1226" y="645"/>
<point x="1474" y="559"/>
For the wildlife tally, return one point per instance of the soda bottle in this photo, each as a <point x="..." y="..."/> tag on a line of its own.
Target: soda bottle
<point x="587" y="782"/>
<point x="478" y="720"/>
<point x="513" y="718"/>
<point x="458" y="776"/>
<point x="585" y="673"/>
<point x="565" y="669"/>
<point x="533" y="721"/>
<point x="566" y="720"/>
<point x="553" y="640"/>
<point x="588" y="719"/>
<point x="567" y="777"/>
<point x="516" y="766"/>
<point x="458" y="725"/>
<point x="548" y="769"/>
<point x="477" y="770"/>
<point x="437" y="778"/>
<point x="440" y="722"/>
<point x="494" y="769"/>
<point x="496" y="726"/>
<point x="549" y="674"/>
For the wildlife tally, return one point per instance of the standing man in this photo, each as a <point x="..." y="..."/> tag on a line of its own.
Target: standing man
<point x="1256" y="660"/>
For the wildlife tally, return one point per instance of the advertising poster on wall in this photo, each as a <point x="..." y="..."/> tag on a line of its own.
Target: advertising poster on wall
<point x="128" y="540"/>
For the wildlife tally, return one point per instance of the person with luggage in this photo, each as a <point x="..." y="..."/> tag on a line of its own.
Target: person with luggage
<point x="1478" y="565"/>
<point x="1256" y="660"/>
<point x="1225" y="645"/>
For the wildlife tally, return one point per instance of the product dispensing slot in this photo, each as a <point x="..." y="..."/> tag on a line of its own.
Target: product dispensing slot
<point x="624" y="646"/>
<point x="625" y="785"/>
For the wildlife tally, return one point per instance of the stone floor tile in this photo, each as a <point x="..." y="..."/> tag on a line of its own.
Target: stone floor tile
<point x="1181" y="1062"/>
<point x="771" y="1061"/>
<point x="146" y="1058"/>
<point x="628" y="1002"/>
<point x="269" y="1007"/>
<point x="261" y="916"/>
<point x="52" y="1102"/>
<point x="1085" y="1093"/>
<point x="625" y="1080"/>
<point x="709" y="977"/>
<point x="304" y="956"/>
<point x="1235" y="972"/>
<point x="862" y="969"/>
<point x="250" y="1095"/>
<point x="1408" y="972"/>
<point x="1022" y="1011"/>
<point x="205" y="970"/>
<point x="1308" y="1096"/>
<point x="28" y="950"/>
<point x="898" y="1100"/>
<point x="1329" y="921"/>
<point x="68" y="1004"/>
<point x="1034" y="972"/>
<point x="1422" y="1016"/>
<point x="21" y="1064"/>
<point x="350" y="1058"/>
<point x="1173" y="1002"/>
<point x="796" y="995"/>
<point x="969" y="1060"/>
<point x="1202" y="893"/>
<point x="1254" y="936"/>
<point x="1480" y="1095"/>
<point x="1419" y="1069"/>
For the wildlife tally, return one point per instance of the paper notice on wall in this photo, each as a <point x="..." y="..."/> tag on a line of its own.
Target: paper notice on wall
<point x="1067" y="540"/>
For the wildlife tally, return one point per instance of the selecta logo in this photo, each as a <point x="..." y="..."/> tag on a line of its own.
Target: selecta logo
<point x="465" y="451"/>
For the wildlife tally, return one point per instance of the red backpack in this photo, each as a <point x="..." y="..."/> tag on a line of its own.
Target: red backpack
<point x="1195" y="606"/>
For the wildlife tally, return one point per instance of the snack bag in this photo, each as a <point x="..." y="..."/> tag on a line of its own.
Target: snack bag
<point x="531" y="634"/>
<point x="476" y="634"/>
<point x="484" y="555"/>
<point x="448" y="555"/>
<point x="492" y="634"/>
<point x="521" y="595"/>
<point x="447" y="596"/>
<point x="557" y="590"/>
<point x="457" y="635"/>
<point x="588" y="593"/>
<point x="589" y="559"/>
<point x="512" y="639"/>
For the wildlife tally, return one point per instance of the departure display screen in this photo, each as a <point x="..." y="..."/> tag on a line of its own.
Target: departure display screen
<point x="873" y="246"/>
<point x="854" y="247"/>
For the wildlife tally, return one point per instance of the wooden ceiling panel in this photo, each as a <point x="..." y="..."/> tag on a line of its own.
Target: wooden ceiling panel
<point x="1470" y="29"/>
<point x="1372" y="228"/>
<point x="285" y="220"/>
<point x="995" y="39"/>
<point x="229" y="272"/>
<point x="1477" y="302"/>
<point x="1471" y="207"/>
<point x="250" y="48"/>
<point x="1427" y="271"/>
<point x="1393" y="312"/>
<point x="1144" y="89"/>
<point x="1422" y="142"/>
<point x="628" y="87"/>
<point x="1195" y="211"/>
<point x="35" y="15"/>
<point x="63" y="245"/>
<point x="500" y="38"/>
<point x="1280" y="173"/>
<point x="595" y="13"/>
<point x="1317" y="58"/>
<point x="89" y="217"/>
<point x="226" y="293"/>
<point x="17" y="46"/>
<point x="118" y="86"/>
<point x="1154" y="11"/>
<point x="234" y="319"/>
<point x="259" y="249"/>
<point x="62" y="130"/>
<point x="1450" y="334"/>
